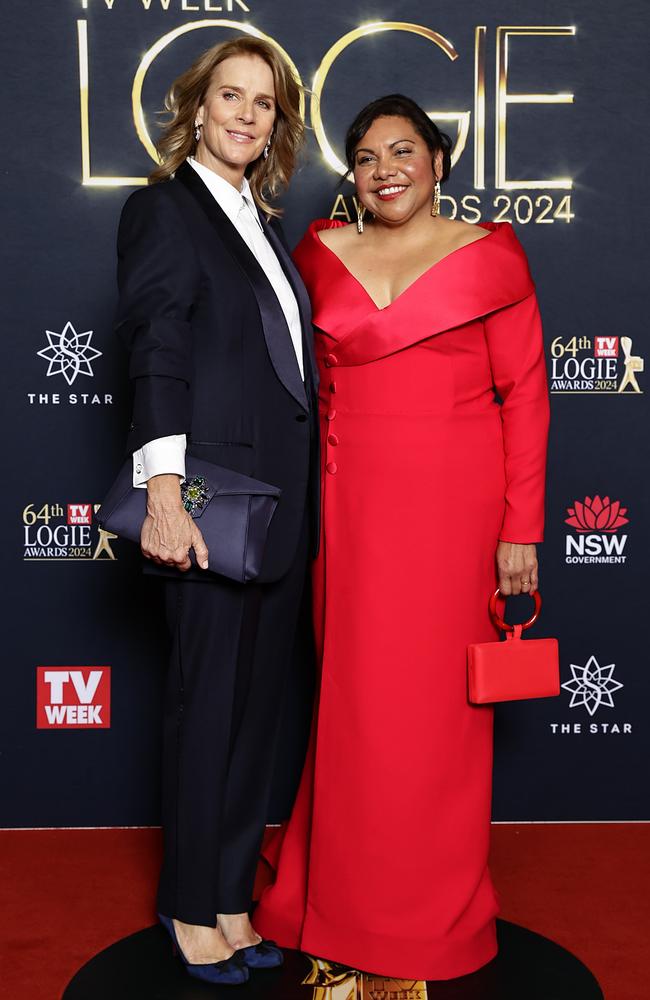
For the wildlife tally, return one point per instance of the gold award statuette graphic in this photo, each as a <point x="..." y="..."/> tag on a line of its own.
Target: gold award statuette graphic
<point x="489" y="50"/>
<point x="103" y="549"/>
<point x="331" y="981"/>
<point x="633" y="364"/>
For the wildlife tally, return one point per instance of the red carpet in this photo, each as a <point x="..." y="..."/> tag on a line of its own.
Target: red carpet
<point x="69" y="893"/>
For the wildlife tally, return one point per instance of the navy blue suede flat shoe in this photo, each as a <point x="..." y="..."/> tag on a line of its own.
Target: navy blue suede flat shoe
<point x="231" y="972"/>
<point x="265" y="955"/>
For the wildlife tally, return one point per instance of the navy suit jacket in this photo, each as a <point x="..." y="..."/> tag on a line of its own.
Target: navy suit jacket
<point x="211" y="354"/>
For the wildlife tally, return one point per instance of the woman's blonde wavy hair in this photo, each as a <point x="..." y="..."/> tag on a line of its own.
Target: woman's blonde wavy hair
<point x="177" y="142"/>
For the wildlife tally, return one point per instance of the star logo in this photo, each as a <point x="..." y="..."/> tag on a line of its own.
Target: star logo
<point x="69" y="353"/>
<point x="592" y="685"/>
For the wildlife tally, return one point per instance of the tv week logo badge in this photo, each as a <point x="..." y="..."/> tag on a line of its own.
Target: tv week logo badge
<point x="73" y="697"/>
<point x="605" y="347"/>
<point x="80" y="513"/>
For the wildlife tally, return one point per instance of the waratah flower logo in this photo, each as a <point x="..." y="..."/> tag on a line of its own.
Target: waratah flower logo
<point x="597" y="515"/>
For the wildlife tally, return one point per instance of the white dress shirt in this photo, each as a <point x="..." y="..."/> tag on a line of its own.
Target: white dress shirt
<point x="167" y="454"/>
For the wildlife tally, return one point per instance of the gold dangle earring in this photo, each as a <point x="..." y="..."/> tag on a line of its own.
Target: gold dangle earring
<point x="360" y="211"/>
<point x="435" y="208"/>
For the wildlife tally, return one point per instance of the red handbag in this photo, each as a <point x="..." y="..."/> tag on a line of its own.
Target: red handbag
<point x="514" y="669"/>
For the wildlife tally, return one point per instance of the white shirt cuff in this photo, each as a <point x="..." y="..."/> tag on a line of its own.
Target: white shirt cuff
<point x="165" y="455"/>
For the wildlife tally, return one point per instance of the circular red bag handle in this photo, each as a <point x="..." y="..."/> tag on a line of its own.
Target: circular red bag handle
<point x="499" y="622"/>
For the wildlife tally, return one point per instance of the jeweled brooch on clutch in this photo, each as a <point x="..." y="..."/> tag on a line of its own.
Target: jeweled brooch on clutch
<point x="194" y="494"/>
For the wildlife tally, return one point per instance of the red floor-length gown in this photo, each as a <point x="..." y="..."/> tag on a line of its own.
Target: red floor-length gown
<point x="383" y="864"/>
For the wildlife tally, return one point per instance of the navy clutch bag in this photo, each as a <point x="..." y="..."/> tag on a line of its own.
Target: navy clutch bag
<point x="234" y="513"/>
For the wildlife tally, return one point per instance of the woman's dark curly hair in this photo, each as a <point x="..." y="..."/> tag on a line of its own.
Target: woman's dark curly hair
<point x="398" y="106"/>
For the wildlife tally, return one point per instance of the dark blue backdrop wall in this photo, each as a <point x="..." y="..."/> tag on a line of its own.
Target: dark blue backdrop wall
<point x="550" y="126"/>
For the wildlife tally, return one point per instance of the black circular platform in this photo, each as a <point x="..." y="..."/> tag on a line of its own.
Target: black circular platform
<point x="142" y="967"/>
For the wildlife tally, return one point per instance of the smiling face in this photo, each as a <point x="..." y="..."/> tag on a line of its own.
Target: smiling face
<point x="237" y="115"/>
<point x="393" y="170"/>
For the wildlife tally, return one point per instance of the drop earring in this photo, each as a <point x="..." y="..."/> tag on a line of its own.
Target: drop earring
<point x="197" y="130"/>
<point x="267" y="149"/>
<point x="360" y="211"/>
<point x="435" y="207"/>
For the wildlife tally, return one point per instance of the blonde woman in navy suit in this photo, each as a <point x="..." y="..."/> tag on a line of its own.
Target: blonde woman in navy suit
<point x="218" y="326"/>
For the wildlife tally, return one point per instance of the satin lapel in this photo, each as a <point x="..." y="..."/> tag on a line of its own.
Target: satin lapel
<point x="302" y="298"/>
<point x="461" y="288"/>
<point x="274" y="325"/>
<point x="329" y="282"/>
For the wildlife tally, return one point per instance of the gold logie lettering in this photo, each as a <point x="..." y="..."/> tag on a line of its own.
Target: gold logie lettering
<point x="163" y="3"/>
<point x="82" y="43"/>
<point x="163" y="42"/>
<point x="504" y="99"/>
<point x="479" y="107"/>
<point x="136" y="93"/>
<point x="340" y="209"/>
<point x="462" y="118"/>
<point x="84" y="99"/>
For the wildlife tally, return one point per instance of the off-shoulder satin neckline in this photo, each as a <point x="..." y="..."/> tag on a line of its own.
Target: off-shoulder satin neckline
<point x="491" y="227"/>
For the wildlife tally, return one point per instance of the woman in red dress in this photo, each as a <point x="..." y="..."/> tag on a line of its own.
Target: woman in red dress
<point x="433" y="492"/>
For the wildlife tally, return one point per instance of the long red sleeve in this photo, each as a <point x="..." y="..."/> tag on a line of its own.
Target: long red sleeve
<point x="516" y="347"/>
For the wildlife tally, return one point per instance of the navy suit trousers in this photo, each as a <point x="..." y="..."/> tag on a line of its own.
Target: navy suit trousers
<point x="232" y="646"/>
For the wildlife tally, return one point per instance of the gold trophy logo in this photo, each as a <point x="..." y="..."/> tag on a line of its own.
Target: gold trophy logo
<point x="104" y="541"/>
<point x="633" y="364"/>
<point x="331" y="981"/>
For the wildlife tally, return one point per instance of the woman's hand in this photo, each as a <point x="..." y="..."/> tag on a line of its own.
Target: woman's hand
<point x="517" y="566"/>
<point x="168" y="532"/>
